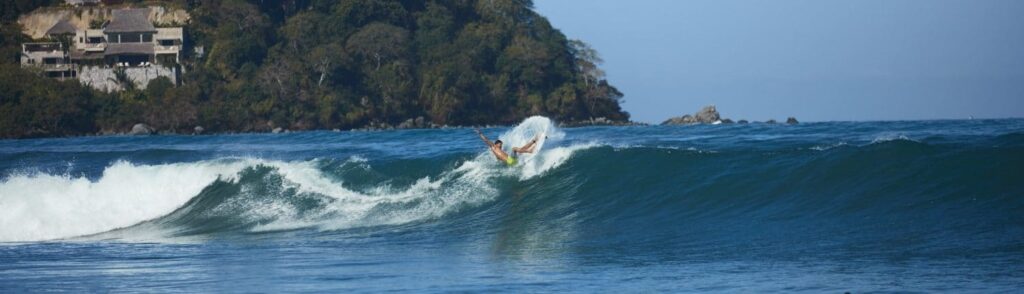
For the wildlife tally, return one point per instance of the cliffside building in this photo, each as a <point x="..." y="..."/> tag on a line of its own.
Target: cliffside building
<point x="48" y="56"/>
<point x="128" y="38"/>
<point x="129" y="41"/>
<point x="82" y="2"/>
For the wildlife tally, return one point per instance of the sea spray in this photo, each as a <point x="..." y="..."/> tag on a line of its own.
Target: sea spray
<point x="42" y="206"/>
<point x="734" y="208"/>
<point x="250" y="194"/>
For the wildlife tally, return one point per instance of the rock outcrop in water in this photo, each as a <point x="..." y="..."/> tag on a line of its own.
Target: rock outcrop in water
<point x="680" y="120"/>
<point x="707" y="115"/>
<point x="600" y="121"/>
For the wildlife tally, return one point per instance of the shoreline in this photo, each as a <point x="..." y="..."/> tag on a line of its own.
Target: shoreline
<point x="367" y="128"/>
<point x="487" y="126"/>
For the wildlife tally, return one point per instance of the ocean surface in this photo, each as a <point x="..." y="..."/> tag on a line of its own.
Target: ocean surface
<point x="929" y="206"/>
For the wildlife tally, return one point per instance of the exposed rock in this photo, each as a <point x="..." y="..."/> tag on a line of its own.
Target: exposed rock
<point x="791" y="121"/>
<point x="198" y="130"/>
<point x="378" y="125"/>
<point x="727" y="121"/>
<point x="680" y="120"/>
<point x="599" y="121"/>
<point x="417" y="123"/>
<point x="407" y="124"/>
<point x="141" y="129"/>
<point x="706" y="115"/>
<point x="277" y="130"/>
<point x="770" y="121"/>
<point x="742" y="121"/>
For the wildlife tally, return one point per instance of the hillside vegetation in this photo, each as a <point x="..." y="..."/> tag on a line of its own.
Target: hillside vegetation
<point x="320" y="64"/>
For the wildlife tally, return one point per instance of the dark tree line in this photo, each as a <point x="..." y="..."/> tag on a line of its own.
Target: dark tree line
<point x="315" y="64"/>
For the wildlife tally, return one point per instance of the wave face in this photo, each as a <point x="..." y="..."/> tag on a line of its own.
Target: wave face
<point x="923" y="187"/>
<point x="245" y="194"/>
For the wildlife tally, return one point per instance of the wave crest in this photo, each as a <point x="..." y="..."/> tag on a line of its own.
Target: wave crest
<point x="251" y="195"/>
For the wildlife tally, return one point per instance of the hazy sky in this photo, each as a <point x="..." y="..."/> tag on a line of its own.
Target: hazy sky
<point x="813" y="59"/>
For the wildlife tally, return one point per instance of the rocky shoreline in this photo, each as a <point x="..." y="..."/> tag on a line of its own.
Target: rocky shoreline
<point x="143" y="129"/>
<point x="707" y="115"/>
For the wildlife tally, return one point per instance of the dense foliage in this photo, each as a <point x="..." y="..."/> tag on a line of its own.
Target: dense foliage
<point x="345" y="64"/>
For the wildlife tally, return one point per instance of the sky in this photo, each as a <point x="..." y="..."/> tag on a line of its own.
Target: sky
<point x="816" y="60"/>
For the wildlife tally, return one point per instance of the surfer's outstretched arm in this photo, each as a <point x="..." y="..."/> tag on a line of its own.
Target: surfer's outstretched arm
<point x="482" y="137"/>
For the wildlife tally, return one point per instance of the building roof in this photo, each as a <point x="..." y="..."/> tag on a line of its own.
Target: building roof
<point x="129" y="48"/>
<point x="82" y="55"/>
<point x="130" y="20"/>
<point x="62" y="27"/>
<point x="42" y="47"/>
<point x="169" y="34"/>
<point x="82" y="2"/>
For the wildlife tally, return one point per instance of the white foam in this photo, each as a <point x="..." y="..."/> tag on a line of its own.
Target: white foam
<point x="827" y="147"/>
<point x="550" y="159"/>
<point x="468" y="184"/>
<point x="43" y="207"/>
<point x="891" y="137"/>
<point x="532" y="165"/>
<point x="528" y="129"/>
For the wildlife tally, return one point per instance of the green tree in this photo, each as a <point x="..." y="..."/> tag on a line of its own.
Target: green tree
<point x="378" y="43"/>
<point x="306" y="64"/>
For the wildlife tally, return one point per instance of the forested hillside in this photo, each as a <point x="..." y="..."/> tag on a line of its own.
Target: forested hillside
<point x="324" y="64"/>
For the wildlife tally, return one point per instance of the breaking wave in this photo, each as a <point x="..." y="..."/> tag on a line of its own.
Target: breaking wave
<point x="889" y="188"/>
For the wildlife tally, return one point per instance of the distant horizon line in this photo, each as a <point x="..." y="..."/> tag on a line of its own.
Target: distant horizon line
<point x="782" y="121"/>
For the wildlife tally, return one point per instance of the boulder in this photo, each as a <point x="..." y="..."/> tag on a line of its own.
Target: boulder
<point x="707" y="115"/>
<point x="420" y="122"/>
<point x="141" y="129"/>
<point x="742" y="121"/>
<point x="680" y="120"/>
<point x="791" y="121"/>
<point x="727" y="121"/>
<point x="277" y="130"/>
<point x="770" y="121"/>
<point x="198" y="130"/>
<point x="407" y="124"/>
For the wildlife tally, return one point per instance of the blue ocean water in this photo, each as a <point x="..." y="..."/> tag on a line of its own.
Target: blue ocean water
<point x="928" y="206"/>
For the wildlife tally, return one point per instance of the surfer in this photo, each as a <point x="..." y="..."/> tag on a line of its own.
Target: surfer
<point x="501" y="155"/>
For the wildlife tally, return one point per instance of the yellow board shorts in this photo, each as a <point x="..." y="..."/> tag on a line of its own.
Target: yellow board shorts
<point x="510" y="161"/>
